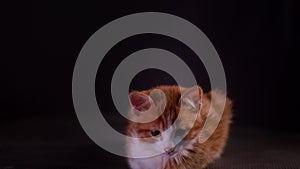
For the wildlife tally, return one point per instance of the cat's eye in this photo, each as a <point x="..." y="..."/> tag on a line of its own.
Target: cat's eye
<point x="180" y="132"/>
<point x="155" y="133"/>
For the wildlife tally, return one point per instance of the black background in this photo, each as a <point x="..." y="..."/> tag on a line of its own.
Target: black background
<point x="255" y="41"/>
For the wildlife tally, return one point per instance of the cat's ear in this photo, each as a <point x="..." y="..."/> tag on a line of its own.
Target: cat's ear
<point x="139" y="101"/>
<point x="192" y="97"/>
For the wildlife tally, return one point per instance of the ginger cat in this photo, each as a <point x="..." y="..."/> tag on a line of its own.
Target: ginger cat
<point x="154" y="137"/>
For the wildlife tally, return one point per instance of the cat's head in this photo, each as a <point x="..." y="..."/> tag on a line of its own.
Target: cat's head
<point x="175" y="120"/>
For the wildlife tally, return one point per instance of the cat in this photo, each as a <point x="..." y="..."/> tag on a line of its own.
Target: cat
<point x="153" y="136"/>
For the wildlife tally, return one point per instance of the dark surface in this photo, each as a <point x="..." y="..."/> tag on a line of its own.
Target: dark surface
<point x="28" y="143"/>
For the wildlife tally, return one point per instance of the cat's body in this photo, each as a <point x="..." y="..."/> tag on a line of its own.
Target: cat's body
<point x="153" y="137"/>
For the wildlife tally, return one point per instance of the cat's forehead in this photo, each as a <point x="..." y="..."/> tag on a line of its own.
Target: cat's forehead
<point x="168" y="90"/>
<point x="172" y="109"/>
<point x="171" y="119"/>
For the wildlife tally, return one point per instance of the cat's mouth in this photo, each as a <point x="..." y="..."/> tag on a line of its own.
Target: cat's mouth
<point x="172" y="151"/>
<point x="172" y="154"/>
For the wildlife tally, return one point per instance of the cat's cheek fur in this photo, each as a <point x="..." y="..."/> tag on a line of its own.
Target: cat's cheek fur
<point x="138" y="148"/>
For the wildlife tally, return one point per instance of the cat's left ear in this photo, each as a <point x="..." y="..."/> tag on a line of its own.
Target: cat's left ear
<point x="140" y="101"/>
<point x="192" y="97"/>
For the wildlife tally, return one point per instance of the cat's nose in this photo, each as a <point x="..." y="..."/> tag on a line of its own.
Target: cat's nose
<point x="169" y="150"/>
